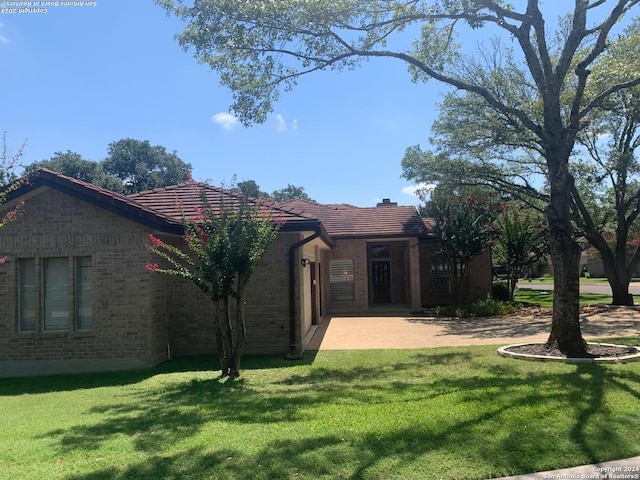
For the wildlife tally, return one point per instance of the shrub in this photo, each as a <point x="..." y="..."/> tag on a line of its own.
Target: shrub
<point x="480" y="308"/>
<point x="500" y="291"/>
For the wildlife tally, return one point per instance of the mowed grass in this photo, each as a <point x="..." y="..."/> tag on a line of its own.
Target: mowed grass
<point x="544" y="298"/>
<point x="445" y="413"/>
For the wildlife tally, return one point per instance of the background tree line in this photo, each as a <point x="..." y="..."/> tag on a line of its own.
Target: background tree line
<point x="133" y="166"/>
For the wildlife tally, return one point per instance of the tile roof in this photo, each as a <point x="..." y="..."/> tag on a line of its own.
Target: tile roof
<point x="161" y="208"/>
<point x="164" y="208"/>
<point x="183" y="200"/>
<point x="342" y="220"/>
<point x="101" y="197"/>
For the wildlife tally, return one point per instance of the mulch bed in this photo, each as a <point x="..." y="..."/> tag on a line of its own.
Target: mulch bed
<point x="594" y="350"/>
<point x="534" y="311"/>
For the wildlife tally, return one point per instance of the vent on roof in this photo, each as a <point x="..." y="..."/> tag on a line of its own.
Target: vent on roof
<point x="386" y="202"/>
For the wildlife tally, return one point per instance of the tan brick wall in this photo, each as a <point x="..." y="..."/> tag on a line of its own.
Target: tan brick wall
<point x="405" y="274"/>
<point x="355" y="250"/>
<point x="267" y="309"/>
<point x="127" y="323"/>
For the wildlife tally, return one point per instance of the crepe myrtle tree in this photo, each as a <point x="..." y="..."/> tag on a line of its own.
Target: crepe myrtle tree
<point x="224" y="246"/>
<point x="520" y="241"/>
<point x="463" y="223"/>
<point x="9" y="160"/>
<point x="260" y="48"/>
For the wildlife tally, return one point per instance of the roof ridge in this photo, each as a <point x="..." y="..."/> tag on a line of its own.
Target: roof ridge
<point x="58" y="178"/>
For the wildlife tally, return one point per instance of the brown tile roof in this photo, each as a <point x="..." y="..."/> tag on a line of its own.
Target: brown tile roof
<point x="161" y="208"/>
<point x="101" y="197"/>
<point x="342" y="220"/>
<point x="183" y="199"/>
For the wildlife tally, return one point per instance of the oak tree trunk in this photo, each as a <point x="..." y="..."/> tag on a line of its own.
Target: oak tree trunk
<point x="565" y="256"/>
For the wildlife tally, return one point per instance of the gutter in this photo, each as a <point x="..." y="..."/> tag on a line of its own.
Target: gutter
<point x="293" y="354"/>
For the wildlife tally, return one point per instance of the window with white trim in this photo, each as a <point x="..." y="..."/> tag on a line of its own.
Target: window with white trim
<point x="63" y="298"/>
<point x="342" y="280"/>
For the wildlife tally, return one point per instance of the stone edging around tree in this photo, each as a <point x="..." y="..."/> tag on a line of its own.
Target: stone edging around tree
<point x="626" y="358"/>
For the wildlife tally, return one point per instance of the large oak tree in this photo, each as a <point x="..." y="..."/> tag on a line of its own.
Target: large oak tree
<point x="260" y="48"/>
<point x="604" y="167"/>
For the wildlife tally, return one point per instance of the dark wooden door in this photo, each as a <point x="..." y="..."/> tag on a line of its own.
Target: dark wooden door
<point x="381" y="281"/>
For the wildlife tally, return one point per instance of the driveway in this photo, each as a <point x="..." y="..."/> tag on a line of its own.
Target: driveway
<point x="354" y="333"/>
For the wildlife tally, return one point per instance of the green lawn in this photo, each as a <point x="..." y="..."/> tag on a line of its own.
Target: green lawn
<point x="462" y="413"/>
<point x="544" y="298"/>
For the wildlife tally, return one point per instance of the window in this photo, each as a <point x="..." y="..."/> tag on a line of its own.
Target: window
<point x="341" y="279"/>
<point x="27" y="294"/>
<point x="65" y="293"/>
<point x="379" y="251"/>
<point x="84" y="293"/>
<point x="440" y="274"/>
<point x="56" y="295"/>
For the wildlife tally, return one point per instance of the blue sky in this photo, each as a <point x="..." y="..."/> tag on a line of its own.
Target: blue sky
<point x="79" y="78"/>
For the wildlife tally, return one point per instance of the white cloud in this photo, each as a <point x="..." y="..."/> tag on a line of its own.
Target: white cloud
<point x="225" y="120"/>
<point x="3" y="39"/>
<point x="283" y="125"/>
<point x="416" y="190"/>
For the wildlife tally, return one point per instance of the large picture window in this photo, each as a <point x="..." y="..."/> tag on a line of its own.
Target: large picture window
<point x="63" y="297"/>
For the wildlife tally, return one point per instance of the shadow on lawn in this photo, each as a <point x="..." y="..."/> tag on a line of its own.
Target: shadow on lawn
<point x="498" y="328"/>
<point x="83" y="381"/>
<point x="482" y="424"/>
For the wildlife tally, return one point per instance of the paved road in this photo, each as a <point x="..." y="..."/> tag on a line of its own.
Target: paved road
<point x="603" y="287"/>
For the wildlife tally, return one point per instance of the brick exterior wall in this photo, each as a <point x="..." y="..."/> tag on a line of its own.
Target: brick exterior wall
<point x="128" y="329"/>
<point x="139" y="318"/>
<point x="190" y="312"/>
<point x="404" y="274"/>
<point x="142" y="318"/>
<point x="355" y="250"/>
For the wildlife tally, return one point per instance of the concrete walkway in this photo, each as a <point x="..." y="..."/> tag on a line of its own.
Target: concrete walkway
<point x="369" y="332"/>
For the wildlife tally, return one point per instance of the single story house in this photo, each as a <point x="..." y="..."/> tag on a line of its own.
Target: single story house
<point x="76" y="296"/>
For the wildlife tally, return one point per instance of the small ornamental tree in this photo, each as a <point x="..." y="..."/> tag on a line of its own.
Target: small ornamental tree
<point x="8" y="181"/>
<point x="464" y="226"/>
<point x="225" y="244"/>
<point x="520" y="241"/>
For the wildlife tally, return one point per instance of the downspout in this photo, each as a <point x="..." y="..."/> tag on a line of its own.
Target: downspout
<point x="293" y="355"/>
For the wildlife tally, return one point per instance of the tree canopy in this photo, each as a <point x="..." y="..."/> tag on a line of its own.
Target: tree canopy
<point x="131" y="166"/>
<point x="290" y="192"/>
<point x="73" y="165"/>
<point x="603" y="167"/>
<point x="141" y="166"/>
<point x="260" y="48"/>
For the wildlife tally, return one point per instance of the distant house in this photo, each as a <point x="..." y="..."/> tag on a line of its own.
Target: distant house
<point x="76" y="297"/>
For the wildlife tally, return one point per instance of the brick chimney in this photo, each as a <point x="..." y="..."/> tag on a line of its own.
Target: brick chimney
<point x="386" y="202"/>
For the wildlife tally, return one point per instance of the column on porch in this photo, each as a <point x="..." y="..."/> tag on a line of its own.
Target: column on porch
<point x="414" y="275"/>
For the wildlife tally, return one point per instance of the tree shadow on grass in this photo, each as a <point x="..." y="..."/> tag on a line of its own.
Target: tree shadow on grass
<point x="483" y="429"/>
<point x="83" y="381"/>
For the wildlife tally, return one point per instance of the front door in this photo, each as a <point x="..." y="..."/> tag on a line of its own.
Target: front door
<point x="381" y="281"/>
